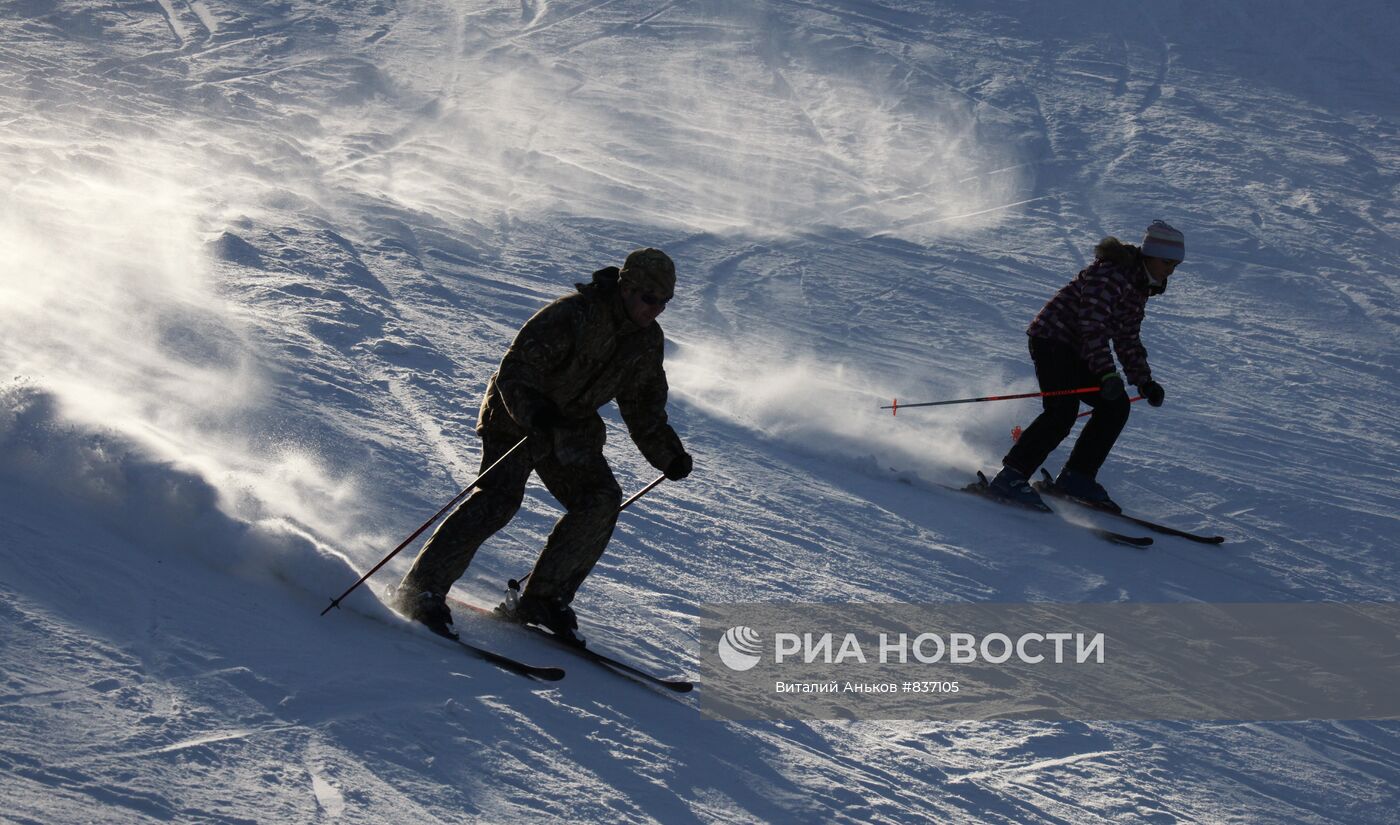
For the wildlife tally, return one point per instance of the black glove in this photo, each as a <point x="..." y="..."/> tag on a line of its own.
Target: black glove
<point x="1153" y="392"/>
<point x="1111" y="387"/>
<point x="680" y="467"/>
<point x="541" y="429"/>
<point x="545" y="419"/>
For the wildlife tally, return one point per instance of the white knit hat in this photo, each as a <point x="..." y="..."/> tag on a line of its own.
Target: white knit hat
<point x="1162" y="241"/>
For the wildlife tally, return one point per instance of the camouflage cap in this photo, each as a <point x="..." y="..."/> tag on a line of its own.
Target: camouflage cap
<point x="649" y="270"/>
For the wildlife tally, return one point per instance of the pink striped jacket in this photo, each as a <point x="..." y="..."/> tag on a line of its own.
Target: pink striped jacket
<point x="1104" y="303"/>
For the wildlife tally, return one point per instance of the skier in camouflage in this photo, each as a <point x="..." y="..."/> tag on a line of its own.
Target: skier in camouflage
<point x="1069" y="345"/>
<point x="578" y="353"/>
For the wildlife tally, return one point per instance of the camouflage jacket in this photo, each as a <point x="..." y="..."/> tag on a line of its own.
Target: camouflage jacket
<point x="1105" y="302"/>
<point x="576" y="355"/>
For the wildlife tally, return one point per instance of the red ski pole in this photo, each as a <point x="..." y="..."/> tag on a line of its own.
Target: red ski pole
<point x="1016" y="431"/>
<point x="896" y="405"/>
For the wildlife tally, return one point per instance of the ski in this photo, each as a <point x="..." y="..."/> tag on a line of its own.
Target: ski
<point x="980" y="487"/>
<point x="545" y="674"/>
<point x="616" y="665"/>
<point x="1048" y="487"/>
<point x="631" y="671"/>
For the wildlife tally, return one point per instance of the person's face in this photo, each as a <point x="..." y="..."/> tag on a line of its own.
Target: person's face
<point x="1160" y="269"/>
<point x="643" y="306"/>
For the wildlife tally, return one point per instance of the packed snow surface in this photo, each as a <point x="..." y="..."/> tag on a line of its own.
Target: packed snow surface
<point x="257" y="261"/>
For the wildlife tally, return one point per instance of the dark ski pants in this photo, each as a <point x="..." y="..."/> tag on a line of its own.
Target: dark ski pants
<point x="1059" y="367"/>
<point x="590" y="496"/>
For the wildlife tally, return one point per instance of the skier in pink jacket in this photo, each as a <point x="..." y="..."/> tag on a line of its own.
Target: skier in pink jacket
<point x="1070" y="346"/>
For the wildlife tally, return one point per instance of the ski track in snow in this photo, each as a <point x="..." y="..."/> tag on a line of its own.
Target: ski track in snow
<point x="298" y="237"/>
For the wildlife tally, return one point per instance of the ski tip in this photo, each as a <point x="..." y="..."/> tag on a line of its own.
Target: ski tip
<point x="547" y="674"/>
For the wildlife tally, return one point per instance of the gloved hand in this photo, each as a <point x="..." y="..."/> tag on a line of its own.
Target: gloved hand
<point x="541" y="428"/>
<point x="1153" y="392"/>
<point x="1111" y="387"/>
<point x="680" y="467"/>
<point x="545" y="419"/>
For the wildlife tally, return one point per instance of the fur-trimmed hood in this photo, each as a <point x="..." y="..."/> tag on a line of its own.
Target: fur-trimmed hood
<point x="1126" y="257"/>
<point x="1116" y="252"/>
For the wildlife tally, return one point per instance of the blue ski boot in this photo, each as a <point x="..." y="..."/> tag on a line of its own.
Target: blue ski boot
<point x="1012" y="488"/>
<point x="1086" y="490"/>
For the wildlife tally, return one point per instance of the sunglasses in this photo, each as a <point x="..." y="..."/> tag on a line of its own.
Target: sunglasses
<point x="652" y="300"/>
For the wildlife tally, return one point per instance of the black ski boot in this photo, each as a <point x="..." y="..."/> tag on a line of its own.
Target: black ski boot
<point x="555" y="615"/>
<point x="425" y="607"/>
<point x="1011" y="487"/>
<point x="1086" y="490"/>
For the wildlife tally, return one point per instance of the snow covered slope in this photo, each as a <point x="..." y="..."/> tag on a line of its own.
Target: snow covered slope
<point x="260" y="258"/>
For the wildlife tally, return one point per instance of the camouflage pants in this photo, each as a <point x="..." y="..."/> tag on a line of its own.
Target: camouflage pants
<point x="587" y="490"/>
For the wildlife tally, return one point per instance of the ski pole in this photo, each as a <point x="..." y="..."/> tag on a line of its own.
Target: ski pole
<point x="515" y="584"/>
<point x="1016" y="431"/>
<point x="642" y="492"/>
<point x="896" y="405"/>
<point x="416" y="533"/>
